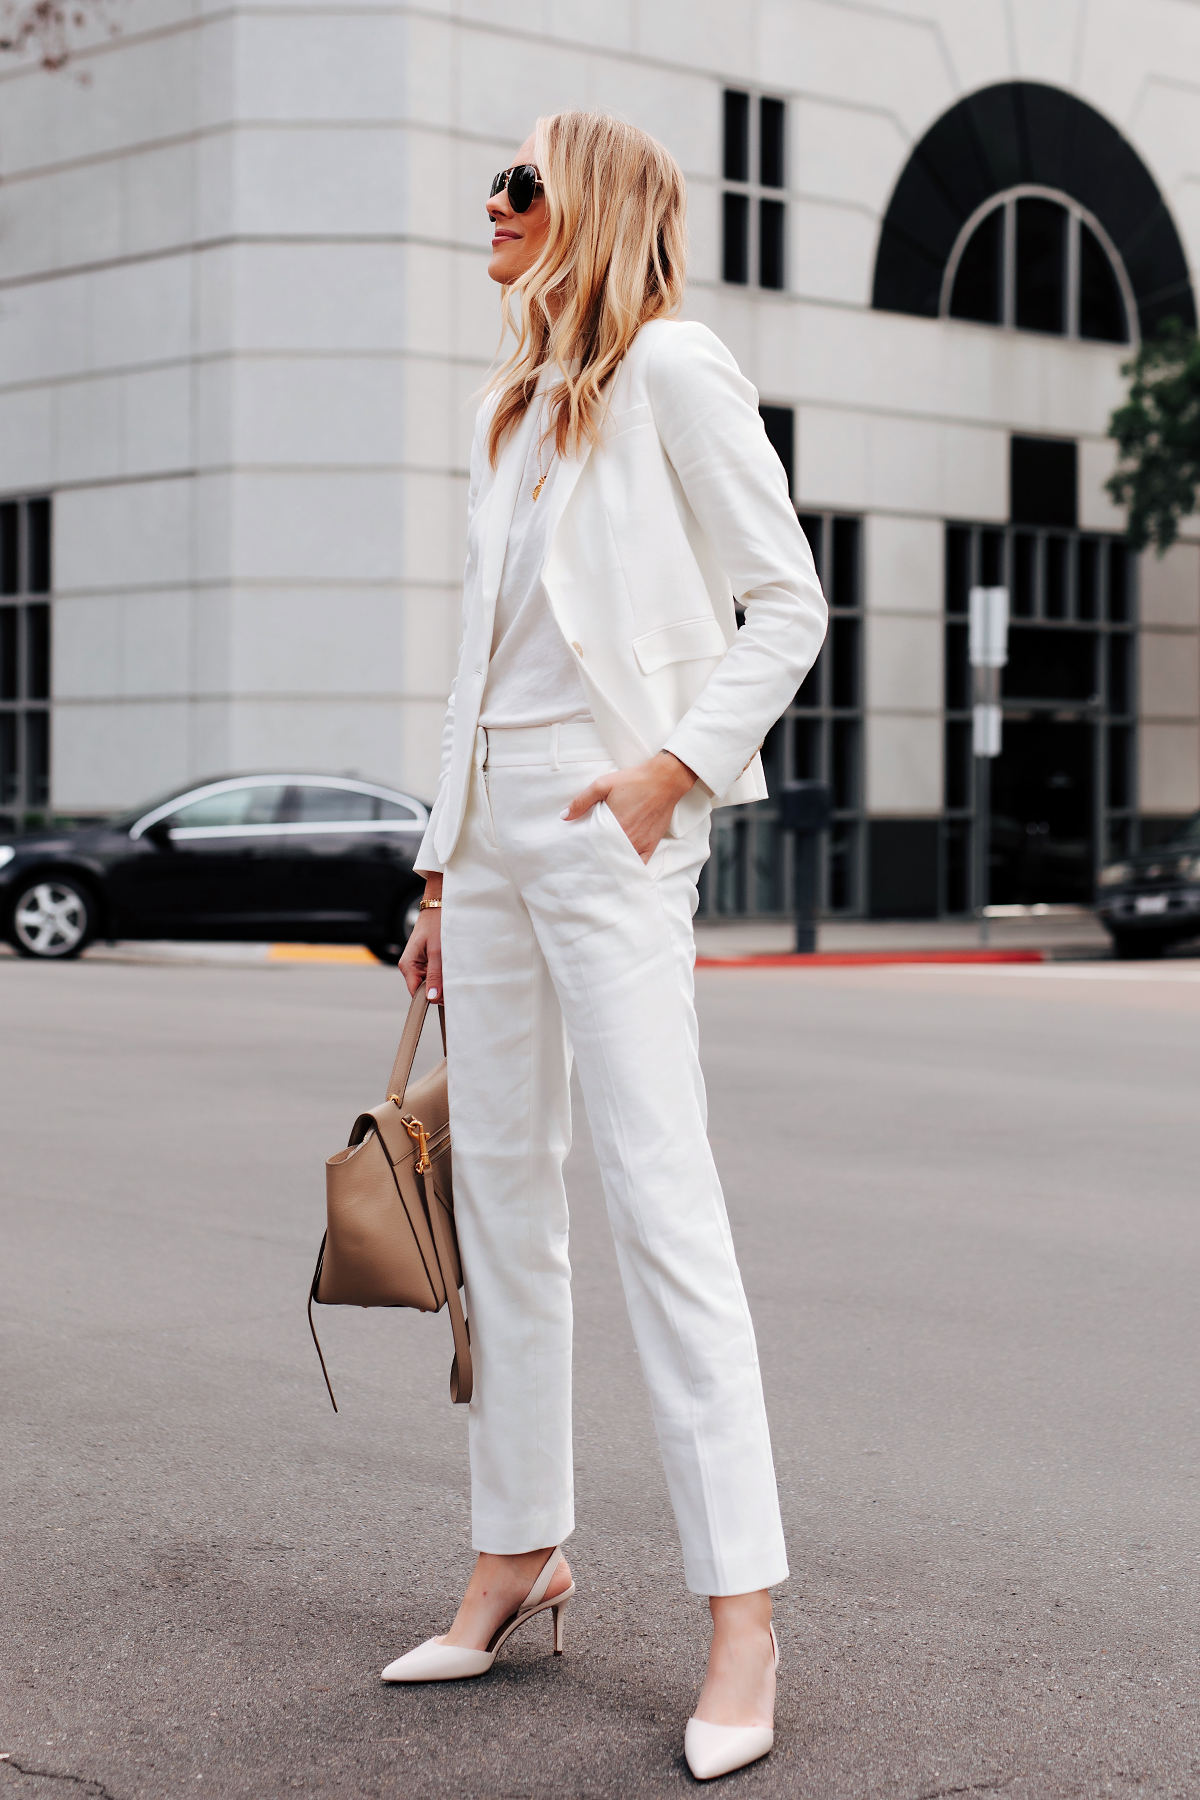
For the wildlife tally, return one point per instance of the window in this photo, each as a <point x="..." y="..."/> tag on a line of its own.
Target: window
<point x="1037" y="261"/>
<point x="1026" y="139"/>
<point x="1063" y="789"/>
<point x="330" y="805"/>
<point x="24" y="656"/>
<point x="819" y="738"/>
<point x="753" y="211"/>
<point x="230" y="809"/>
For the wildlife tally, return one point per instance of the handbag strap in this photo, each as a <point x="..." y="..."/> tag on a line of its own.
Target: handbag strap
<point x="462" y="1374"/>
<point x="410" y="1037"/>
<point x="312" y="1294"/>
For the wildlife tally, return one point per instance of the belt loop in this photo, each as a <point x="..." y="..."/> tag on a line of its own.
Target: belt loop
<point x="481" y="747"/>
<point x="554" y="731"/>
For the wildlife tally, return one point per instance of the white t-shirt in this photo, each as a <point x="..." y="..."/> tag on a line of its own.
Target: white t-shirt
<point x="532" y="675"/>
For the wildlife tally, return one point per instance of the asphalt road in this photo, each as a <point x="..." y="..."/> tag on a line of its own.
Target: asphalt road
<point x="966" y="1206"/>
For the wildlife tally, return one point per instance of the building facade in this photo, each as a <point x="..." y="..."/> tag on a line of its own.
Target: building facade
<point x="244" y="318"/>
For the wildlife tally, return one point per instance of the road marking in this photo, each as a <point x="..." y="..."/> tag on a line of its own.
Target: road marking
<point x="1050" y="971"/>
<point x="322" y="953"/>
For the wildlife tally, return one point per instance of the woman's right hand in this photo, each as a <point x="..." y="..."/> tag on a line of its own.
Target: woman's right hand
<point x="422" y="959"/>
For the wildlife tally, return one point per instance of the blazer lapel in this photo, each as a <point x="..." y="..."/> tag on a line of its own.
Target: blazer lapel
<point x="564" y="486"/>
<point x="503" y="499"/>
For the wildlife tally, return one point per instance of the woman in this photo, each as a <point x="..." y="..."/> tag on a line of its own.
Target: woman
<point x="622" y="493"/>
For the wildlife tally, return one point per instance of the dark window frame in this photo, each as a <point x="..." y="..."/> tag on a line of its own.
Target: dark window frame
<point x="821" y="737"/>
<point x="1080" y="229"/>
<point x="754" y="204"/>
<point x="1097" y="599"/>
<point x="26" y="672"/>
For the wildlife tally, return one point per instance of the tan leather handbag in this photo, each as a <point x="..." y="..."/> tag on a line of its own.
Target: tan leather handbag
<point x="390" y="1239"/>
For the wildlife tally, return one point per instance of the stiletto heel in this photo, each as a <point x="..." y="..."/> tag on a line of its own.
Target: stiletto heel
<point x="713" y="1750"/>
<point x="435" y="1660"/>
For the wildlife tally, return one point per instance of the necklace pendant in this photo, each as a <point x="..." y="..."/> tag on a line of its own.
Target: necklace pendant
<point x="541" y="484"/>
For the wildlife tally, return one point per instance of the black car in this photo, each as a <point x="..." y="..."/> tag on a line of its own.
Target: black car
<point x="291" y="858"/>
<point x="1154" y="899"/>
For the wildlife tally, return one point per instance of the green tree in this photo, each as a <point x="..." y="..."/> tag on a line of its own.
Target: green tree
<point x="1158" y="434"/>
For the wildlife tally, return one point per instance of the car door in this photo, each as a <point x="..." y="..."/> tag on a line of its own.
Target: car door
<point x="349" y="858"/>
<point x="207" y="865"/>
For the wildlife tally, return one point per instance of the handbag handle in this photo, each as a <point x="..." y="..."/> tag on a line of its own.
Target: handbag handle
<point x="461" y="1373"/>
<point x="410" y="1037"/>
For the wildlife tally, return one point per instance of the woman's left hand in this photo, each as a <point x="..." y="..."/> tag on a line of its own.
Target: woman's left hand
<point x="641" y="799"/>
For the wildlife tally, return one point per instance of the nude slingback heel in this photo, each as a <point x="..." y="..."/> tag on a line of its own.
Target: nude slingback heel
<point x="713" y="1750"/>
<point x="435" y="1660"/>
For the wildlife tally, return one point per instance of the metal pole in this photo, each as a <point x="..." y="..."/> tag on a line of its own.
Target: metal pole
<point x="806" y="892"/>
<point x="983" y="832"/>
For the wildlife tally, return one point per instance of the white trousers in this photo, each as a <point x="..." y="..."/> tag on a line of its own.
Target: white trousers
<point x="556" y="937"/>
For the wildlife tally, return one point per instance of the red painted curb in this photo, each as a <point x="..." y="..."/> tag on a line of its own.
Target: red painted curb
<point x="848" y="959"/>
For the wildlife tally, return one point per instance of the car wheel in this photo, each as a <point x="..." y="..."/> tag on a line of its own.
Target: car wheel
<point x="390" y="950"/>
<point x="1138" y="946"/>
<point x="52" y="919"/>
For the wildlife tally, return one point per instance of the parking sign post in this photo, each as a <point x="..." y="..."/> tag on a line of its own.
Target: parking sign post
<point x="805" y="809"/>
<point x="988" y="651"/>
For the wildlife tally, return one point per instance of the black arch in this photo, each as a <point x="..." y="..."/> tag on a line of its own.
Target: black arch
<point x="1015" y="132"/>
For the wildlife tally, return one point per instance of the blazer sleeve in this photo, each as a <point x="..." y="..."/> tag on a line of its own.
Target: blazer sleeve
<point x="426" y="861"/>
<point x="706" y="413"/>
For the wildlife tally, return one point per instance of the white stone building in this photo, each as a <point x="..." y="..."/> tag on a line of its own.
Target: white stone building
<point x="244" y="312"/>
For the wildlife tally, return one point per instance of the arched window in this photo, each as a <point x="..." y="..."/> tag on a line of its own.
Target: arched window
<point x="1037" y="260"/>
<point x="1024" y="205"/>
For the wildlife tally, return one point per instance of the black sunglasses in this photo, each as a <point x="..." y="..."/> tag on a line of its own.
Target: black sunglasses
<point x="523" y="182"/>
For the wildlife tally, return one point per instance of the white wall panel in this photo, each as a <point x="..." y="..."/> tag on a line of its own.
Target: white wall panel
<point x="1097" y="460"/>
<point x="1046" y="39"/>
<point x="845" y="152"/>
<point x="26" y="438"/>
<point x="599" y="24"/>
<point x="293" y="411"/>
<point x="905" y="566"/>
<point x="137" y="92"/>
<point x="718" y="35"/>
<point x="977" y="41"/>
<point x="157" y="421"/>
<point x="361" y="735"/>
<point x="683" y="110"/>
<point x="896" y="64"/>
<point x="1169" y="587"/>
<point x="904" y="765"/>
<point x="122" y="645"/>
<point x="506" y="83"/>
<point x="118" y="753"/>
<point x="312" y="296"/>
<point x="1169" y="768"/>
<point x="833" y="459"/>
<point x="1169" y="675"/>
<point x="903" y="661"/>
<point x="338" y="641"/>
<point x="332" y="65"/>
<point x="831" y="252"/>
<point x="132" y="534"/>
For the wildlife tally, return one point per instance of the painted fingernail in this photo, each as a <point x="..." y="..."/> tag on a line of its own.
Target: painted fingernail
<point x="433" y="993"/>
<point x="565" y="813"/>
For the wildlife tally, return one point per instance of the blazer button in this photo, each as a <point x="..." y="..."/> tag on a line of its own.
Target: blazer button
<point x="577" y="648"/>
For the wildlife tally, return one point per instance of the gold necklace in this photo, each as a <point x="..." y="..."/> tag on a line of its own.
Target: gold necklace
<point x="541" y="482"/>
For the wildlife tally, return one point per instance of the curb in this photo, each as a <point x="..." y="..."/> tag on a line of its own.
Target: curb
<point x="850" y="959"/>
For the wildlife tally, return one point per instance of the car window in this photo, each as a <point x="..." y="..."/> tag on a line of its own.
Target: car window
<point x="331" y="806"/>
<point x="234" y="806"/>
<point x="395" y="809"/>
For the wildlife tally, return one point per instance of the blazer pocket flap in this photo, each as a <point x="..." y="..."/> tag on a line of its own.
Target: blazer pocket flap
<point x="629" y="420"/>
<point x="692" y="640"/>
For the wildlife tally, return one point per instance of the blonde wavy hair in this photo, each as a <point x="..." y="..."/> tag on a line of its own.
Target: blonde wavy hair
<point x="615" y="256"/>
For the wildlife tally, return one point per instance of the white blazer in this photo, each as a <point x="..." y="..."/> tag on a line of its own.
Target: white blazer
<point x="681" y="508"/>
